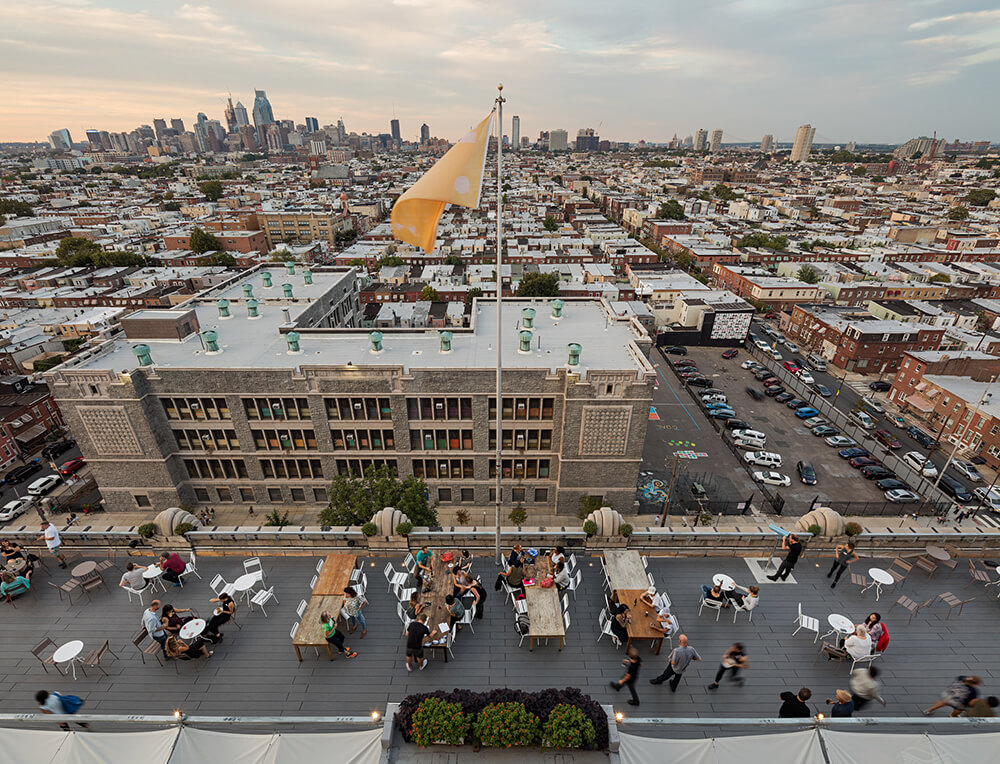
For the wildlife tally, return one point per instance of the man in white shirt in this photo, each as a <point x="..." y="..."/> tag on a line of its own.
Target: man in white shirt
<point x="133" y="578"/>
<point x="153" y="625"/>
<point x="51" y="536"/>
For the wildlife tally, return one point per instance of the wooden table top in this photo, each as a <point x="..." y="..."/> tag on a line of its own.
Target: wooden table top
<point x="639" y="627"/>
<point x="441" y="585"/>
<point x="544" y="612"/>
<point x="310" y="631"/>
<point x="335" y="575"/>
<point x="625" y="569"/>
<point x="540" y="568"/>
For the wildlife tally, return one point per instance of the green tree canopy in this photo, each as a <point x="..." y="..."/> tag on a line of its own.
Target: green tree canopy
<point x="202" y="242"/>
<point x="979" y="197"/>
<point x="453" y="260"/>
<point x="859" y="170"/>
<point x="762" y="240"/>
<point x="685" y="260"/>
<point x="808" y="274"/>
<point x="212" y="189"/>
<point x="389" y="260"/>
<point x="15" y="207"/>
<point x="939" y="278"/>
<point x="671" y="210"/>
<point x="282" y="256"/>
<point x="958" y="212"/>
<point x="172" y="207"/>
<point x="472" y="294"/>
<point x="724" y="192"/>
<point x="355" y="500"/>
<point x="430" y="293"/>
<point x="539" y="285"/>
<point x="73" y="249"/>
<point x="550" y="224"/>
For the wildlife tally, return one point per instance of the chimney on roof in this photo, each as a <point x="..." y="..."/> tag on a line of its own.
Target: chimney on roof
<point x="287" y="316"/>
<point x="292" y="338"/>
<point x="376" y="340"/>
<point x="574" y="354"/>
<point x="223" y="306"/>
<point x="445" y="342"/>
<point x="288" y="290"/>
<point x="557" y="308"/>
<point x="252" y="308"/>
<point x="527" y="317"/>
<point x="525" y="337"/>
<point x="248" y="291"/>
<point x="142" y="353"/>
<point x="289" y="267"/>
<point x="211" y="341"/>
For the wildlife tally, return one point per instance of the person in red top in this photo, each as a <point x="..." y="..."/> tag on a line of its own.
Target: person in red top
<point x="172" y="566"/>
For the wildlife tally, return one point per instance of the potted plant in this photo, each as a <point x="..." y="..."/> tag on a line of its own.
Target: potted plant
<point x="462" y="516"/>
<point x="567" y="727"/>
<point x="181" y="528"/>
<point x="504" y="725"/>
<point x="404" y="528"/>
<point x="814" y="529"/>
<point x="853" y="529"/>
<point x="590" y="528"/>
<point x="369" y="529"/>
<point x="625" y="530"/>
<point x="438" y="721"/>
<point x="147" y="530"/>
<point x="518" y="515"/>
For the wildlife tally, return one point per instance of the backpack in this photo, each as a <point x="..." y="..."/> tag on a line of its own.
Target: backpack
<point x="523" y="622"/>
<point x="883" y="641"/>
<point x="70" y="703"/>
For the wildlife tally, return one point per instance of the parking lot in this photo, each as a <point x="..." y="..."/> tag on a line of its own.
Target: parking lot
<point x="787" y="435"/>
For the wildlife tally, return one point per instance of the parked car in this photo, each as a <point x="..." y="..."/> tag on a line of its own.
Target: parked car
<point x="925" y="440"/>
<point x="806" y="473"/>
<point x="675" y="350"/>
<point x="873" y="406"/>
<point x="822" y="390"/>
<point x="897" y="421"/>
<point x="754" y="393"/>
<point x="700" y="382"/>
<point x="880" y="387"/>
<point x="806" y="377"/>
<point x="797" y="403"/>
<point x="825" y="431"/>
<point x="783" y="397"/>
<point x="790" y="366"/>
<point x="683" y="362"/>
<point x="730" y="354"/>
<point x="920" y="463"/>
<point x="709" y="391"/>
<point x="772" y="382"/>
<point x="791" y="346"/>
<point x="711" y="405"/>
<point x="805" y="412"/>
<point x="862" y="461"/>
<point x="876" y="472"/>
<point x="687" y="372"/>
<point x="762" y="458"/>
<point x="722" y="413"/>
<point x="886" y="438"/>
<point x="775" y="354"/>
<point x="774" y="391"/>
<point x="955" y="489"/>
<point x="815" y="421"/>
<point x="737" y="424"/>
<point x="750" y="365"/>
<point x="772" y="478"/>
<point x="901" y="496"/>
<point x="43" y="485"/>
<point x="863" y="420"/>
<point x="841" y="441"/>
<point x="850" y="453"/>
<point x="762" y="373"/>
<point x="68" y="468"/>
<point x="20" y="474"/>
<point x="748" y="434"/>
<point x="967" y="470"/>
<point x="14" y="508"/>
<point x="60" y="447"/>
<point x="890" y="484"/>
<point x="989" y="497"/>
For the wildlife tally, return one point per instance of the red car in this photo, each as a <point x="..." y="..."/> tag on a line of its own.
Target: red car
<point x="863" y="461"/>
<point x="72" y="466"/>
<point x="792" y="366"/>
<point x="730" y="354"/>
<point x="886" y="438"/>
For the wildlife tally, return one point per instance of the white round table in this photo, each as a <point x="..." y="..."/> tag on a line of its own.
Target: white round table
<point x="192" y="628"/>
<point x="244" y="583"/>
<point x="841" y="624"/>
<point x="152" y="574"/>
<point x="68" y="653"/>
<point x="938" y="553"/>
<point x="724" y="582"/>
<point x="879" y="579"/>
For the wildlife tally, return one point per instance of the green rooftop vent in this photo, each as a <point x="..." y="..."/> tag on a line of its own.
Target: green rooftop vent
<point x="525" y="336"/>
<point x="527" y="317"/>
<point x="223" y="306"/>
<point x="292" y="338"/>
<point x="252" y="308"/>
<point x="376" y="339"/>
<point x="265" y="276"/>
<point x="445" y="342"/>
<point x="288" y="290"/>
<point x="142" y="353"/>
<point x="248" y="291"/>
<point x="211" y="341"/>
<point x="557" y="308"/>
<point x="307" y="277"/>
<point x="574" y="354"/>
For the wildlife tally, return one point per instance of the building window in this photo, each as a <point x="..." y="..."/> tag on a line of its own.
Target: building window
<point x="517" y="494"/>
<point x="319" y="494"/>
<point x="523" y="440"/>
<point x="224" y="494"/>
<point x="443" y="468"/>
<point x="352" y="409"/>
<point x="444" y="495"/>
<point x="274" y="494"/>
<point x="363" y="440"/>
<point x="291" y="469"/>
<point x="298" y="495"/>
<point x="207" y="469"/>
<point x="439" y="408"/>
<point x="441" y="440"/>
<point x="276" y="409"/>
<point x="195" y="409"/>
<point x="522" y="469"/>
<point x="363" y="466"/>
<point x="247" y="495"/>
<point x="201" y="494"/>
<point x="468" y="494"/>
<point x="207" y="440"/>
<point x="523" y="408"/>
<point x="541" y="494"/>
<point x="284" y="440"/>
<point x="141" y="500"/>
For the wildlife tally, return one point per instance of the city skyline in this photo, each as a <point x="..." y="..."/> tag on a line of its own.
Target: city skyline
<point x="906" y="71"/>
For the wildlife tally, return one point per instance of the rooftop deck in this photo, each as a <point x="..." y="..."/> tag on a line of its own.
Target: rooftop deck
<point x="255" y="672"/>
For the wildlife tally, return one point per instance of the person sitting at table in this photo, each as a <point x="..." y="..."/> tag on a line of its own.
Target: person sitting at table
<point x="226" y="610"/>
<point x="424" y="558"/>
<point x="178" y="648"/>
<point x="456" y="610"/>
<point x="172" y="566"/>
<point x="561" y="577"/>
<point x="415" y="606"/>
<point x="478" y="593"/>
<point x="859" y="644"/>
<point x="335" y="636"/>
<point x="514" y="575"/>
<point x="516" y="554"/>
<point x="11" y="582"/>
<point x="172" y="619"/>
<point x="464" y="561"/>
<point x="749" y="601"/>
<point x="133" y="578"/>
<point x="620" y="622"/>
<point x="11" y="550"/>
<point x="557" y="555"/>
<point x="715" y="594"/>
<point x="876" y="629"/>
<point x="461" y="581"/>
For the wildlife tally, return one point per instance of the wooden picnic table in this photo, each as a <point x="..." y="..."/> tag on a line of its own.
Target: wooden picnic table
<point x="544" y="611"/>
<point x="310" y="633"/>
<point x="639" y="627"/>
<point x="335" y="575"/>
<point x="440" y="586"/>
<point x="625" y="570"/>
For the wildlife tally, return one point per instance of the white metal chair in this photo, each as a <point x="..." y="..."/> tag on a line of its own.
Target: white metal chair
<point x="572" y="563"/>
<point x="645" y="561"/>
<point x="361" y="585"/>
<point x="392" y="577"/>
<point x="252" y="564"/>
<point x="401" y="612"/>
<point x="191" y="568"/>
<point x="520" y="606"/>
<point x="219" y="586"/>
<point x="312" y="583"/>
<point x="604" y="621"/>
<point x="650" y="577"/>
<point x="319" y="564"/>
<point x="566" y="622"/>
<point x="509" y="590"/>
<point x="466" y="619"/>
<point x="711" y="605"/>
<point x="137" y="592"/>
<point x="405" y="594"/>
<point x="355" y="575"/>
<point x="521" y="634"/>
<point x="806" y="622"/>
<point x="865" y="659"/>
<point x="744" y="608"/>
<point x="409" y="563"/>
<point x="398" y="590"/>
<point x="261" y="598"/>
<point x="294" y="631"/>
<point x="565" y="603"/>
<point x="301" y="608"/>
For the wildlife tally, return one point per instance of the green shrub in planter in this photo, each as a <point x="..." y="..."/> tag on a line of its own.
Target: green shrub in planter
<point x="369" y="529"/>
<point x="625" y="530"/>
<point x="567" y="727"/>
<point x="814" y="529"/>
<point x="181" y="528"/>
<point x="504" y="725"/>
<point x="590" y="527"/>
<point x="518" y="515"/>
<point x="147" y="530"/>
<point x="403" y="529"/>
<point x="852" y="529"/>
<point x="437" y="720"/>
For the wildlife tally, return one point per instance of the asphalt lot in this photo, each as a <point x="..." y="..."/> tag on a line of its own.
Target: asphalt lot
<point x="11" y="492"/>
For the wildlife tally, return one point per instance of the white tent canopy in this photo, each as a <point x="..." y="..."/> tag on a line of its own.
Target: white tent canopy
<point x="787" y="747"/>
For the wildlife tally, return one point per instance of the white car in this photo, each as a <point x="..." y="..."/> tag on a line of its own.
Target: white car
<point x="14" y="508"/>
<point x="792" y="346"/>
<point x="967" y="470"/>
<point x="43" y="485"/>
<point x="762" y="458"/>
<point x="920" y="463"/>
<point x="815" y="421"/>
<point x="772" y="478"/>
<point x="750" y="364"/>
<point x="840" y="441"/>
<point x="775" y="354"/>
<point x="989" y="497"/>
<point x="806" y="377"/>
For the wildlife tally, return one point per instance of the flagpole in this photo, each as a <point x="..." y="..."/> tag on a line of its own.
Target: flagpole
<point x="499" y="403"/>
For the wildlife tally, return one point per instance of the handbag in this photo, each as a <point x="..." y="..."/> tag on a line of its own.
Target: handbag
<point x="447" y="557"/>
<point x="546" y="583"/>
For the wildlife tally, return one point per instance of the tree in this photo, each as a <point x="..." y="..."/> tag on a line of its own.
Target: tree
<point x="671" y="210"/>
<point x="550" y="224"/>
<point x="859" y="170"/>
<point x="939" y="278"/>
<point x="724" y="192"/>
<point x="958" y="212"/>
<point x="762" y="240"/>
<point x="222" y="258"/>
<point x="282" y="256"/>
<point x="73" y="249"/>
<point x="202" y="242"/>
<point x="212" y="189"/>
<point x="808" y="274"/>
<point x="172" y="207"/>
<point x="16" y="208"/>
<point x="980" y="197"/>
<point x="557" y="179"/>
<point x="539" y="285"/>
<point x="46" y="363"/>
<point x="389" y="260"/>
<point x="472" y="294"/>
<point x="453" y="260"/>
<point x="354" y="500"/>
<point x="685" y="260"/>
<point x="430" y="293"/>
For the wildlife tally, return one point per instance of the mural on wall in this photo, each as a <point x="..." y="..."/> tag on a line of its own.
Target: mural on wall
<point x="731" y="326"/>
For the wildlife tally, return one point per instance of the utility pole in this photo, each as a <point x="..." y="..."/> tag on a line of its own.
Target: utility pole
<point x="670" y="490"/>
<point x="499" y="402"/>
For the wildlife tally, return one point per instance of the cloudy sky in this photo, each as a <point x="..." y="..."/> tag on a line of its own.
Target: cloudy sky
<point x="883" y="70"/>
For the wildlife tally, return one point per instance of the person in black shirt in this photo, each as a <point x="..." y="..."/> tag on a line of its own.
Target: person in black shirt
<point x="416" y="632"/>
<point x="794" y="546"/>
<point x="631" y="663"/>
<point x="794" y="706"/>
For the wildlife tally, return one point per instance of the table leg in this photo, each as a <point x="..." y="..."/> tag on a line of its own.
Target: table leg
<point x="531" y="644"/>
<point x="561" y="643"/>
<point x="659" y="644"/>
<point x="298" y="653"/>
<point x="72" y="665"/>
<point x="329" y="650"/>
<point x="878" y="590"/>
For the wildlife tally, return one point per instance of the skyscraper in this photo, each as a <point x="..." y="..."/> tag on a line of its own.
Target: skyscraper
<point x="312" y="125"/>
<point x="767" y="144"/>
<point x="178" y="125"/>
<point x="94" y="139"/>
<point x="515" y="132"/>
<point x="262" y="114"/>
<point x="230" y="116"/>
<point x="394" y="129"/>
<point x="160" y="126"/>
<point x="701" y="140"/>
<point x="803" y="142"/>
<point x="558" y="140"/>
<point x="716" y="144"/>
<point x="241" y="115"/>
<point x="60" y="139"/>
<point x="425" y="134"/>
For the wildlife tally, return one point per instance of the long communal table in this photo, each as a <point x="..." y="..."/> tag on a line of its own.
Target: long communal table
<point x="640" y="628"/>
<point x="327" y="596"/>
<point x="545" y="616"/>
<point x="625" y="570"/>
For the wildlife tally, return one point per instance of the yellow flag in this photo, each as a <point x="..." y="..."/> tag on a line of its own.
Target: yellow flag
<point x="456" y="178"/>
